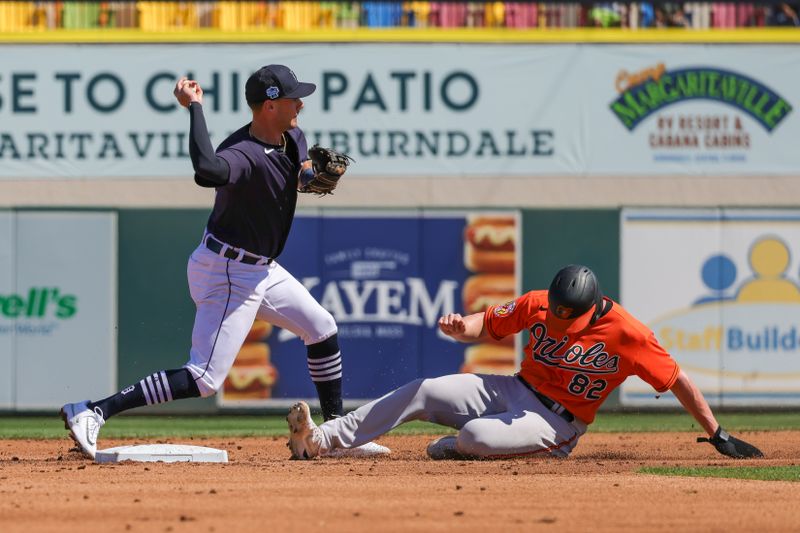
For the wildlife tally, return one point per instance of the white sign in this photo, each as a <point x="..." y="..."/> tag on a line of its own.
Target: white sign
<point x="721" y="291"/>
<point x="60" y="309"/>
<point x="7" y="277"/>
<point x="408" y="110"/>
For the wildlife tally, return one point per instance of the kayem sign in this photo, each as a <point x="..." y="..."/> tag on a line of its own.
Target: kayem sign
<point x="57" y="308"/>
<point x="387" y="277"/>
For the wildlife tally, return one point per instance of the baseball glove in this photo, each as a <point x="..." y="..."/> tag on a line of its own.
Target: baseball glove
<point x="727" y="444"/>
<point x="328" y="165"/>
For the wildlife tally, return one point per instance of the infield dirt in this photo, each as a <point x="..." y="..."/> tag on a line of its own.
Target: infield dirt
<point x="45" y="487"/>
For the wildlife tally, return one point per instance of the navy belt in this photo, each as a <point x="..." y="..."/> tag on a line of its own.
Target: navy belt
<point x="549" y="403"/>
<point x="232" y="253"/>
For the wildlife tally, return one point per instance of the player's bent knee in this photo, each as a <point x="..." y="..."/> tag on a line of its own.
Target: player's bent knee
<point x="330" y="322"/>
<point x="319" y="329"/>
<point x="472" y="442"/>
<point x="327" y="325"/>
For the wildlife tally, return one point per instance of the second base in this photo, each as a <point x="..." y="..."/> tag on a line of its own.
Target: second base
<point x="167" y="453"/>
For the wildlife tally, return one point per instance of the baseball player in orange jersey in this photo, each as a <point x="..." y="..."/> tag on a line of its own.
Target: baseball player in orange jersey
<point x="582" y="346"/>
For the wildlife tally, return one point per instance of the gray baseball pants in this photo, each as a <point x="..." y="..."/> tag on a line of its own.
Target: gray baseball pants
<point x="497" y="416"/>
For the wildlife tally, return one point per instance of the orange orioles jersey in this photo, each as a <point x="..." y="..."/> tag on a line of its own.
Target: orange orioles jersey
<point x="580" y="370"/>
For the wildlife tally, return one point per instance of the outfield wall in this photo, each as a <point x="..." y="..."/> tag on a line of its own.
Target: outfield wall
<point x="719" y="287"/>
<point x="564" y="138"/>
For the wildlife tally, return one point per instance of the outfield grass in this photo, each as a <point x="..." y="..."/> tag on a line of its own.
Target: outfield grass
<point x="765" y="473"/>
<point x="41" y="427"/>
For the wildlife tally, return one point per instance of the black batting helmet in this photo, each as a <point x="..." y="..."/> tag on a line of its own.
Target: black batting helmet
<point x="574" y="299"/>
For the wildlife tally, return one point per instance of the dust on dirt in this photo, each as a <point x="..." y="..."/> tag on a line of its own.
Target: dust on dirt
<point x="46" y="487"/>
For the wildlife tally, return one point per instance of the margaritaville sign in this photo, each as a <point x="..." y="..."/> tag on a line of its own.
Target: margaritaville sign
<point x="648" y="91"/>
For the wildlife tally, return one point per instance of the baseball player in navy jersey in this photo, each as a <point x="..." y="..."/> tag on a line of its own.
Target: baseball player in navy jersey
<point x="233" y="274"/>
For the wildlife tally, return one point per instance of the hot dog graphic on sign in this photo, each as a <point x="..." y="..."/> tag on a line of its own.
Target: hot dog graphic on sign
<point x="490" y="254"/>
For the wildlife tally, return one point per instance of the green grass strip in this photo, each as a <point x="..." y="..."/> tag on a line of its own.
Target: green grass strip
<point x="185" y="426"/>
<point x="765" y="473"/>
<point x="669" y="422"/>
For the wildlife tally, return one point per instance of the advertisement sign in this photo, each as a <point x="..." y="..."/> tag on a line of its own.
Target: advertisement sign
<point x="7" y="284"/>
<point x="107" y="111"/>
<point x="721" y="290"/>
<point x="386" y="277"/>
<point x="706" y="112"/>
<point x="58" y="313"/>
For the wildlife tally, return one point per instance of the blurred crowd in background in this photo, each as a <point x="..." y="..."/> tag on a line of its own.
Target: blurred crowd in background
<point x="304" y="15"/>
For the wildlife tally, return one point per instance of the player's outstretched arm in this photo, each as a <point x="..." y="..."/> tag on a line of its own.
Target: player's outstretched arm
<point x="693" y="401"/>
<point x="210" y="169"/>
<point x="463" y="328"/>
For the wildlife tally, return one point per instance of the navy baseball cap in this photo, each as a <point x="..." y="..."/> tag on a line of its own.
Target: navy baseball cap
<point x="275" y="81"/>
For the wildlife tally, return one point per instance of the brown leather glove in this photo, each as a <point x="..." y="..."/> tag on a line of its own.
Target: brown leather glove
<point x="328" y="166"/>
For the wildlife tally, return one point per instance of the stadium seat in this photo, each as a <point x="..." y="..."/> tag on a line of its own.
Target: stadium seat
<point x="168" y="16"/>
<point x="299" y="15"/>
<point x="519" y="15"/>
<point x="124" y="14"/>
<point x="448" y="14"/>
<point x="83" y="15"/>
<point x="327" y="15"/>
<point x="494" y="15"/>
<point x="416" y="14"/>
<point x="347" y="14"/>
<point x="17" y="16"/>
<point x="248" y="16"/>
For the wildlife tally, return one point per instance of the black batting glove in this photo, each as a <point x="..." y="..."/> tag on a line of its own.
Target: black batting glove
<point x="727" y="444"/>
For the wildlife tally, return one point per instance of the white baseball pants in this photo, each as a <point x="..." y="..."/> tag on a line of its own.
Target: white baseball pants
<point x="496" y="416"/>
<point x="229" y="296"/>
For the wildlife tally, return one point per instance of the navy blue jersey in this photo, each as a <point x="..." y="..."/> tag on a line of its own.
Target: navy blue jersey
<point x="255" y="209"/>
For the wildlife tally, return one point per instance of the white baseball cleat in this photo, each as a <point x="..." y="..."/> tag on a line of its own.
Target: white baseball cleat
<point x="304" y="435"/>
<point x="444" y="448"/>
<point x="83" y="425"/>
<point x="370" y="449"/>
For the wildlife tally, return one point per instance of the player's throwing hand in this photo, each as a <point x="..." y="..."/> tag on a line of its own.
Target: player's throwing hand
<point x="452" y="324"/>
<point x="188" y="91"/>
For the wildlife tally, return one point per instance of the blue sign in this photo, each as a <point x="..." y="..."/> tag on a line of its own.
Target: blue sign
<point x="386" y="281"/>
